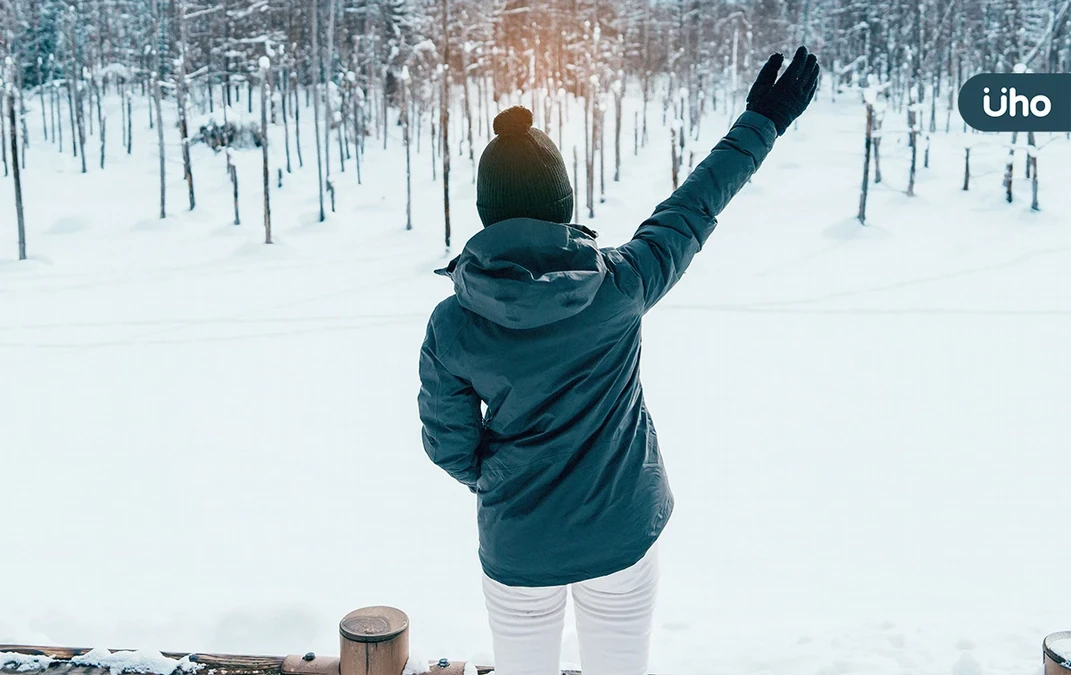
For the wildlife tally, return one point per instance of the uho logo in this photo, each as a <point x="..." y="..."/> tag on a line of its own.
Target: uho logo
<point x="1017" y="102"/>
<point x="1039" y="105"/>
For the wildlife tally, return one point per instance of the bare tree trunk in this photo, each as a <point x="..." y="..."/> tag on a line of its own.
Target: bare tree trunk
<point x="327" y="68"/>
<point x="129" y="125"/>
<point x="181" y="91"/>
<point x="283" y="96"/>
<point x="16" y="171"/>
<point x="1009" y="169"/>
<point x="359" y="132"/>
<point x="1032" y="164"/>
<point x="297" y="116"/>
<point x="405" y="140"/>
<point x="967" y="170"/>
<point x="866" y="163"/>
<point x="232" y="171"/>
<point x="576" y="186"/>
<point x="444" y="119"/>
<point x="53" y="103"/>
<point x="103" y="121"/>
<point x="265" y="75"/>
<point x="1034" y="184"/>
<point x="73" y="75"/>
<point x="80" y="117"/>
<point x="618" y="85"/>
<point x="589" y="152"/>
<point x="3" y="135"/>
<point x="157" y="94"/>
<point x="1030" y="144"/>
<point x="914" y="155"/>
<point x="41" y="97"/>
<point x="602" y="155"/>
<point x="876" y="142"/>
<point x="674" y="158"/>
<point x="318" y="70"/>
<point x="468" y="103"/>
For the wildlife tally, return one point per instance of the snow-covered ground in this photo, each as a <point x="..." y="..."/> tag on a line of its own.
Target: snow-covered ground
<point x="212" y="444"/>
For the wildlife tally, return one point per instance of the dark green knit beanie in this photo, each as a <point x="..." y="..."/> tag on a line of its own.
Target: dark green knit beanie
<point x="522" y="174"/>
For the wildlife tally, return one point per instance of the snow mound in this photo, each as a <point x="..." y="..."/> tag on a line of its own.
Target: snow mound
<point x="140" y="661"/>
<point x="24" y="662"/>
<point x="1062" y="648"/>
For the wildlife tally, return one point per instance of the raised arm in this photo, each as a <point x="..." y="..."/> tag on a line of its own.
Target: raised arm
<point x="663" y="246"/>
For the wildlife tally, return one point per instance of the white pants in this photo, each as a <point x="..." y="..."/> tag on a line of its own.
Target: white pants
<point x="613" y="622"/>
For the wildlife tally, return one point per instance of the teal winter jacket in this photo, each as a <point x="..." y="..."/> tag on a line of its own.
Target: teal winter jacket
<point x="543" y="329"/>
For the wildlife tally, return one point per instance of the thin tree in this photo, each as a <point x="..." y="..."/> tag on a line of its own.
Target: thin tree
<point x="265" y="74"/>
<point x="405" y="140"/>
<point x="1032" y="162"/>
<point x="129" y="96"/>
<point x="444" y="119"/>
<point x="297" y="114"/>
<point x="327" y="68"/>
<point x="181" y="92"/>
<point x="866" y="161"/>
<point x="617" y="89"/>
<point x="316" y="102"/>
<point x="41" y="97"/>
<point x="1009" y="168"/>
<point x="232" y="172"/>
<point x="157" y="95"/>
<point x="674" y="155"/>
<point x="15" y="171"/>
<point x="3" y="127"/>
<point x="283" y="96"/>
<point x="576" y="186"/>
<point x="967" y="168"/>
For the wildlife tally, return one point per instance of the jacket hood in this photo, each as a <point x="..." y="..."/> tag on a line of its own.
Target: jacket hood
<point x="524" y="273"/>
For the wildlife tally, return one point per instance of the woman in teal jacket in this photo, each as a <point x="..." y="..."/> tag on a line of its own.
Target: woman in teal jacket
<point x="544" y="329"/>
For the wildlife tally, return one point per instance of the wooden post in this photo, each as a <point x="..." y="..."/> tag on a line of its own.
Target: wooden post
<point x="374" y="641"/>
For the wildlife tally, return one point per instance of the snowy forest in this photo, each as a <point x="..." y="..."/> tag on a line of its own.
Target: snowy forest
<point x="441" y="69"/>
<point x="213" y="444"/>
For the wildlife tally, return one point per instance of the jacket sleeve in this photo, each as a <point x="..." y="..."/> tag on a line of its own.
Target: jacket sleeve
<point x="450" y="412"/>
<point x="665" y="243"/>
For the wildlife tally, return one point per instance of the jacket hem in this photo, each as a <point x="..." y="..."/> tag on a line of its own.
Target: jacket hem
<point x="594" y="572"/>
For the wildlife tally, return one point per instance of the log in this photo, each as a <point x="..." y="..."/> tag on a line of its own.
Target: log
<point x="231" y="663"/>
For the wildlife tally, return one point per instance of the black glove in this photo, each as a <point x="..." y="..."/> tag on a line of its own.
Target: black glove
<point x="786" y="99"/>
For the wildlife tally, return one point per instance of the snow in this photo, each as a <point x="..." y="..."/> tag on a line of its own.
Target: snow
<point x="864" y="427"/>
<point x="415" y="665"/>
<point x="23" y="662"/>
<point x="140" y="661"/>
<point x="1061" y="647"/>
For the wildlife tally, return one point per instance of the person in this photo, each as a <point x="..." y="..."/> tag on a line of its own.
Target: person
<point x="543" y="329"/>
